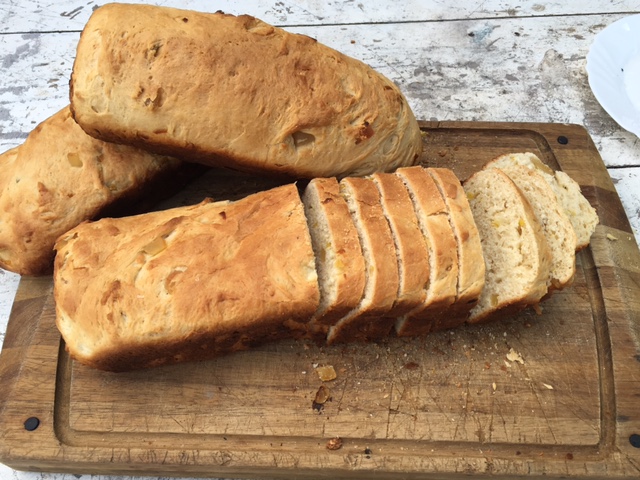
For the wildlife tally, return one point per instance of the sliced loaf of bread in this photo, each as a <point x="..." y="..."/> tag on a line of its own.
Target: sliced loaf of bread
<point x="339" y="260"/>
<point x="471" y="267"/>
<point x="555" y="224"/>
<point x="515" y="250"/>
<point x="433" y="219"/>
<point x="411" y="250"/>
<point x="582" y="215"/>
<point x="368" y="320"/>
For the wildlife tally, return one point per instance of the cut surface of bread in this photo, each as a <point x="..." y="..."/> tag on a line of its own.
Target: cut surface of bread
<point x="581" y="214"/>
<point x="367" y="321"/>
<point x="433" y="220"/>
<point x="185" y="284"/>
<point x="471" y="267"/>
<point x="58" y="178"/>
<point x="411" y="250"/>
<point x="284" y="103"/>
<point x="339" y="260"/>
<point x="557" y="228"/>
<point x="516" y="254"/>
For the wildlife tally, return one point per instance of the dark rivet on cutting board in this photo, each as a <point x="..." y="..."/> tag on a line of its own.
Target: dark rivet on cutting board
<point x="31" y="423"/>
<point x="562" y="140"/>
<point x="634" y="440"/>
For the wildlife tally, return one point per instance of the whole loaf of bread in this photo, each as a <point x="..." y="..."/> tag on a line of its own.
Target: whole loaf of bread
<point x="233" y="91"/>
<point x="60" y="177"/>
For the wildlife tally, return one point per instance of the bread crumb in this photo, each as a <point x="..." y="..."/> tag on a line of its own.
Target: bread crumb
<point x="547" y="386"/>
<point x="612" y="237"/>
<point x="334" y="443"/>
<point x="514" y="356"/>
<point x="326" y="372"/>
<point x="323" y="395"/>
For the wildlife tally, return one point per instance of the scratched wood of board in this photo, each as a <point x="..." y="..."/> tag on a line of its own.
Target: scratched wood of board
<point x="556" y="394"/>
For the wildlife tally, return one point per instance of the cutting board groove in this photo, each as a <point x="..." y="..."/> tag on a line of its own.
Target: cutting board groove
<point x="443" y="406"/>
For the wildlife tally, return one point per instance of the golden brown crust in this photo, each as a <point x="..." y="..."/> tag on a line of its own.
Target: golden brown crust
<point x="58" y="178"/>
<point x="349" y="275"/>
<point x="471" y="267"/>
<point x="368" y="321"/>
<point x="235" y="91"/>
<point x="441" y="243"/>
<point x="411" y="249"/>
<point x="185" y="284"/>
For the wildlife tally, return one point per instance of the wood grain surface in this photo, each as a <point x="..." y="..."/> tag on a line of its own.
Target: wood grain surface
<point x="554" y="394"/>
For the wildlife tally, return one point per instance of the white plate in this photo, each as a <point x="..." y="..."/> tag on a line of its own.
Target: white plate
<point x="613" y="66"/>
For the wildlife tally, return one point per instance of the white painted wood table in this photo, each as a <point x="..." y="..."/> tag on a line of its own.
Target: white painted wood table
<point x="515" y="61"/>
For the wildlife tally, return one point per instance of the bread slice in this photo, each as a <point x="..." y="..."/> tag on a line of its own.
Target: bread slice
<point x="60" y="177"/>
<point x="185" y="284"/>
<point x="367" y="321"/>
<point x="471" y="267"/>
<point x="557" y="228"/>
<point x="412" y="255"/>
<point x="515" y="250"/>
<point x="284" y="103"/>
<point x="433" y="219"/>
<point x="339" y="260"/>
<point x="582" y="215"/>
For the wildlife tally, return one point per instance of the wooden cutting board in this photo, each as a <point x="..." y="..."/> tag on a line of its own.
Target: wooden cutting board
<point x="555" y="394"/>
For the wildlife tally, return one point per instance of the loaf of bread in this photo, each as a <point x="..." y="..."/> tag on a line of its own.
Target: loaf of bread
<point x="185" y="284"/>
<point x="348" y="261"/>
<point x="59" y="177"/>
<point x="236" y="92"/>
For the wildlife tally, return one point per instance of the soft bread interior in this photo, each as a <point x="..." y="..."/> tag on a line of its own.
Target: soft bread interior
<point x="515" y="251"/>
<point x="337" y="250"/>
<point x="581" y="214"/>
<point x="557" y="228"/>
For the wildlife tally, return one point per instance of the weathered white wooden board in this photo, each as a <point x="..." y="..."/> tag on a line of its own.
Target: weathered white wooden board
<point x="47" y="16"/>
<point x="627" y="183"/>
<point x="520" y="69"/>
